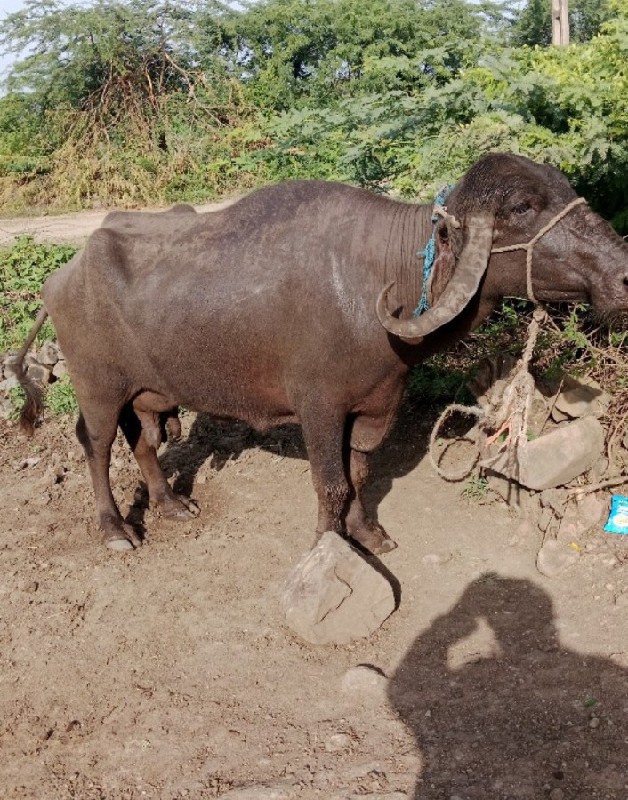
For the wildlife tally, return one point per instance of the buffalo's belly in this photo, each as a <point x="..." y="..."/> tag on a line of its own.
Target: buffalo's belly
<point x="231" y="386"/>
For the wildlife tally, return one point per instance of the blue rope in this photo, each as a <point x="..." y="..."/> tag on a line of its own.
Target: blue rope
<point x="429" y="252"/>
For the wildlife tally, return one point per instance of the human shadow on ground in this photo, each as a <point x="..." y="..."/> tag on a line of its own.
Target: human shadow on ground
<point x="537" y="720"/>
<point x="223" y="441"/>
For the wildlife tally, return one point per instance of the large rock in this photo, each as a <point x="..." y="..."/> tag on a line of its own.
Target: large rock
<point x="333" y="595"/>
<point x="48" y="354"/>
<point x="556" y="458"/>
<point x="39" y="373"/>
<point x="59" y="369"/>
<point x="581" y="398"/>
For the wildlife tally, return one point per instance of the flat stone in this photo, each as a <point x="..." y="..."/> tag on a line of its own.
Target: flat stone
<point x="370" y="796"/>
<point x="10" y="382"/>
<point x="582" y="515"/>
<point x="48" y="354"/>
<point x="258" y="793"/>
<point x="556" y="458"/>
<point x="59" y="369"/>
<point x="579" y="398"/>
<point x="9" y="364"/>
<point x="337" y="742"/>
<point x="364" y="680"/>
<point x="559" y="416"/>
<point x="39" y="373"/>
<point x="555" y="558"/>
<point x="334" y="596"/>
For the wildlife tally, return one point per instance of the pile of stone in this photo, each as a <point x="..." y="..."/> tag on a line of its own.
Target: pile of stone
<point x="566" y="436"/>
<point x="45" y="365"/>
<point x="562" y="472"/>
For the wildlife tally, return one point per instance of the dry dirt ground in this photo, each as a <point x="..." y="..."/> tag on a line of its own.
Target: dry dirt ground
<point x="72" y="227"/>
<point x="168" y="672"/>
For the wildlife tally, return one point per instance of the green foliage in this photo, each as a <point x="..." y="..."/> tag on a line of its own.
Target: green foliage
<point x="533" y="23"/>
<point x="23" y="268"/>
<point x="139" y="102"/>
<point x="435" y="382"/>
<point x="60" y="397"/>
<point x="288" y="52"/>
<point x="476" y="489"/>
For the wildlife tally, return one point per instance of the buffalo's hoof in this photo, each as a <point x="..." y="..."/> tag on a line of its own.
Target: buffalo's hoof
<point x="374" y="539"/>
<point x="119" y="544"/>
<point x="386" y="546"/>
<point x="178" y="507"/>
<point x="122" y="538"/>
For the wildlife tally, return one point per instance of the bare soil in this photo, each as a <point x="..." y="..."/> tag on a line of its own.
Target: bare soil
<point x="73" y="227"/>
<point x="168" y="672"/>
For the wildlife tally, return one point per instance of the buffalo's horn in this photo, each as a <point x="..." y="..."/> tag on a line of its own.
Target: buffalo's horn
<point x="470" y="267"/>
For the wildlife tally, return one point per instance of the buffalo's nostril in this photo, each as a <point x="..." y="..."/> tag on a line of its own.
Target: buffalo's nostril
<point x="626" y="281"/>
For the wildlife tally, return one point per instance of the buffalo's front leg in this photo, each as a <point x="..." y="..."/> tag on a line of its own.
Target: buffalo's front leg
<point x="96" y="430"/>
<point x="323" y="432"/>
<point x="145" y="452"/>
<point x="360" y="526"/>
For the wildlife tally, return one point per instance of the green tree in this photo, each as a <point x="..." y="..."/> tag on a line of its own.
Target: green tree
<point x="533" y="23"/>
<point x="292" y="51"/>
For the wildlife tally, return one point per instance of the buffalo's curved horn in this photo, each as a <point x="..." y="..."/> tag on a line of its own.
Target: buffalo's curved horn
<point x="471" y="266"/>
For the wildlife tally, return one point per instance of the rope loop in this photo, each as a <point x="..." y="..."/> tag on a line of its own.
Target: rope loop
<point x="473" y="411"/>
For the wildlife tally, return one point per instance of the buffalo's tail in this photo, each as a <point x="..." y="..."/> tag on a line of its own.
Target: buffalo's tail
<point x="34" y="405"/>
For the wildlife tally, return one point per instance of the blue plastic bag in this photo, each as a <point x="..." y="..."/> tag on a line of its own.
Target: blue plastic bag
<point x="618" y="518"/>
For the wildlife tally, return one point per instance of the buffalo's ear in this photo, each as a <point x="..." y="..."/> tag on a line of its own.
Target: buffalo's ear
<point x="447" y="243"/>
<point x="477" y="238"/>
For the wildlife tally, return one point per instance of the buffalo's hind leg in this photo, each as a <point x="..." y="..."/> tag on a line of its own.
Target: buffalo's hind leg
<point x="96" y="431"/>
<point x="144" y="447"/>
<point x="360" y="526"/>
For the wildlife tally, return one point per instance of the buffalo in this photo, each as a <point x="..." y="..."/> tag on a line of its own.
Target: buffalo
<point x="295" y="305"/>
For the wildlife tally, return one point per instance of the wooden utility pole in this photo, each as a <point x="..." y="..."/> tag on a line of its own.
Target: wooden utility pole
<point x="560" y="22"/>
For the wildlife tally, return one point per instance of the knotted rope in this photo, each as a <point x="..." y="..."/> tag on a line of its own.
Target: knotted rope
<point x="512" y="413"/>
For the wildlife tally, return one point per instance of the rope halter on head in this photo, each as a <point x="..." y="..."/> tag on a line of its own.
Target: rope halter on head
<point x="529" y="246"/>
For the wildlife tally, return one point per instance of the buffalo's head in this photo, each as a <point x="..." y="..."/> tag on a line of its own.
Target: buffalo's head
<point x="505" y="200"/>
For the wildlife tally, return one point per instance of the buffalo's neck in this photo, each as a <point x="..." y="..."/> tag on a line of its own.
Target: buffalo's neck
<point x="394" y="234"/>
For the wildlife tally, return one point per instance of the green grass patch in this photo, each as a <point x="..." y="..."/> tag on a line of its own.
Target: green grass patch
<point x="435" y="383"/>
<point x="24" y="266"/>
<point x="60" y="398"/>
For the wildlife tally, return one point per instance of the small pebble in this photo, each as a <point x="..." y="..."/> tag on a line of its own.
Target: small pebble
<point x="595" y="722"/>
<point x="363" y="679"/>
<point x="338" y="741"/>
<point x="27" y="463"/>
<point x="557" y="794"/>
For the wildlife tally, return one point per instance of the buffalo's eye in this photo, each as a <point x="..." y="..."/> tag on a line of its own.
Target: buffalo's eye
<point x="521" y="208"/>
